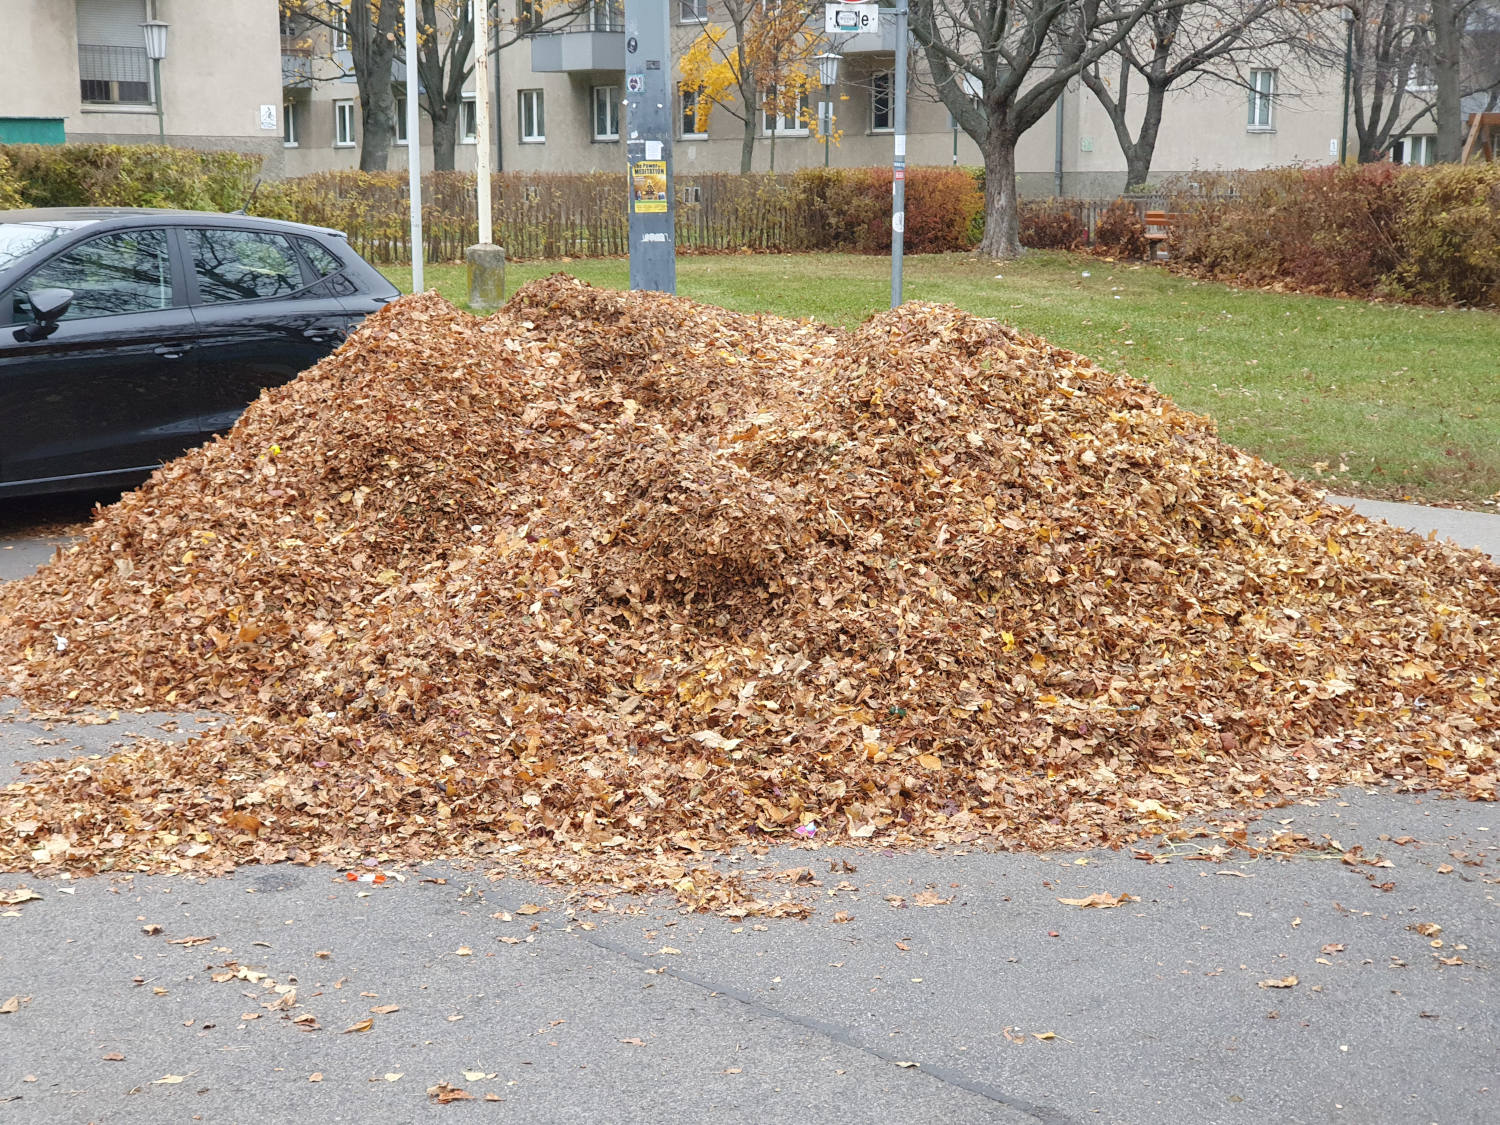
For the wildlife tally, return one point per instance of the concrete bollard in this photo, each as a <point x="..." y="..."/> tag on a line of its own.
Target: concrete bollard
<point x="486" y="264"/>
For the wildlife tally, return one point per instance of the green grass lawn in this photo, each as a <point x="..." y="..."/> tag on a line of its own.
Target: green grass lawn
<point x="1375" y="400"/>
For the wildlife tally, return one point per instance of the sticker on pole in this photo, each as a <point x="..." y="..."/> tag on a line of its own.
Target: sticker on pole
<point x="850" y="19"/>
<point x="648" y="186"/>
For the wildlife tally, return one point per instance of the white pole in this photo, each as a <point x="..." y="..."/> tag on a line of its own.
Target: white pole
<point x="413" y="148"/>
<point x="482" y="116"/>
<point x="898" y="168"/>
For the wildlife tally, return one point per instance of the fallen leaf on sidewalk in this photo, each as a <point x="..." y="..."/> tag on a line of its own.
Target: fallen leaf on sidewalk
<point x="1102" y="900"/>
<point x="443" y="1093"/>
<point x="10" y="1006"/>
<point x="362" y="1025"/>
<point x="1284" y="982"/>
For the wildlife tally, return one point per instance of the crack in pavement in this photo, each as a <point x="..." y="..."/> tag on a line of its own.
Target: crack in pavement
<point x="1032" y="1114"/>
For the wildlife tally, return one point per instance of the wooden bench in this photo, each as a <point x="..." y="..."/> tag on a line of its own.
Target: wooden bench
<point x="1158" y="230"/>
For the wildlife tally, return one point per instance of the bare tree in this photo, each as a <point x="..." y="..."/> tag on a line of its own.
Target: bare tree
<point x="1391" y="66"/>
<point x="1174" y="47"/>
<point x="445" y="60"/>
<point x="1020" y="54"/>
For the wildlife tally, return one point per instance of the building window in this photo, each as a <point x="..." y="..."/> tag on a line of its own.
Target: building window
<point x="692" y="11"/>
<point x="692" y="102"/>
<point x="882" y="118"/>
<point x="783" y="114"/>
<point x="606" y="113"/>
<point x="343" y="123"/>
<point x="606" y="15"/>
<point x="400" y="119"/>
<point x="533" y="126"/>
<point x="289" y="124"/>
<point x="468" y="121"/>
<point x="529" y="15"/>
<point x="1262" y="92"/>
<point x="1415" y="150"/>
<point x="340" y="28"/>
<point x="112" y="65"/>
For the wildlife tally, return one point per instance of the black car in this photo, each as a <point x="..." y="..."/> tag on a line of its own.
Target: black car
<point x="129" y="335"/>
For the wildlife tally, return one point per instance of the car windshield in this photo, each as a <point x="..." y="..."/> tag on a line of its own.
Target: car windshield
<point x="19" y="239"/>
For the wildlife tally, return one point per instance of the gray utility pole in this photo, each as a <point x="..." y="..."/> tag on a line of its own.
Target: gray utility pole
<point x="648" y="146"/>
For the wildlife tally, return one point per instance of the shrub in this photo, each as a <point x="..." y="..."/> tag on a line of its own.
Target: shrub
<point x="10" y="185"/>
<point x="1053" y="224"/>
<point x="1421" y="234"/>
<point x="100" y="175"/>
<point x="1120" y="232"/>
<point x="1449" y="236"/>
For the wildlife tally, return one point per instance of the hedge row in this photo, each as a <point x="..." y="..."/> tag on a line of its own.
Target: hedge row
<point x="1420" y="234"/>
<point x="1377" y="230"/>
<point x="538" y="215"/>
<point x="100" y="175"/>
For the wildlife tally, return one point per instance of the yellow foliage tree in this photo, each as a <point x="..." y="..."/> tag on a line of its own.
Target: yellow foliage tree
<point x="757" y="68"/>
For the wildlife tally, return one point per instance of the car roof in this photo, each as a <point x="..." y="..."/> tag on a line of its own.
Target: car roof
<point x="106" y="217"/>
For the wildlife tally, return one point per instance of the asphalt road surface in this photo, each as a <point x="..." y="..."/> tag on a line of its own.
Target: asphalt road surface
<point x="1247" y="991"/>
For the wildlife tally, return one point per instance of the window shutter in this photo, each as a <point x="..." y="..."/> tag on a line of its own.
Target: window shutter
<point x="111" y="23"/>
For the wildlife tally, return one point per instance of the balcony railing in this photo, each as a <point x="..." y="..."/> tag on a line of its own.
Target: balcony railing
<point x="114" y="75"/>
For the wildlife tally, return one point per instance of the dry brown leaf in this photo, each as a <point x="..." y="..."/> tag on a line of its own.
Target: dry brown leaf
<point x="1101" y="900"/>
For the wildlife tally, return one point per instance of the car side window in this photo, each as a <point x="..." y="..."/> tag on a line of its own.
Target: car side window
<point x="321" y="258"/>
<point x="128" y="271"/>
<point x="243" y="265"/>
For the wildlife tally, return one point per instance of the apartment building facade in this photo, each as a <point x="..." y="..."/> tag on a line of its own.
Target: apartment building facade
<point x="237" y="75"/>
<point x="82" y="70"/>
<point x="557" y="105"/>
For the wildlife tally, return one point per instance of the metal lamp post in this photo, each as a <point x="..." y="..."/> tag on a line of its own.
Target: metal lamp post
<point x="156" y="49"/>
<point x="828" y="75"/>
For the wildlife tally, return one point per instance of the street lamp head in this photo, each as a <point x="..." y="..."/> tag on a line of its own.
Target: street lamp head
<point x="156" y="39"/>
<point x="828" y="68"/>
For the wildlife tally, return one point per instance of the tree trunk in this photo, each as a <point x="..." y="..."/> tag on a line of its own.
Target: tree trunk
<point x="1138" y="156"/>
<point x="1002" y="211"/>
<point x="377" y="122"/>
<point x="444" y="138"/>
<point x="372" y="43"/>
<point x="1445" y="64"/>
<point x="747" y="146"/>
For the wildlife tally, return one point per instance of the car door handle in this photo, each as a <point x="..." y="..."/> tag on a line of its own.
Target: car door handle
<point x="323" y="335"/>
<point x="170" y="351"/>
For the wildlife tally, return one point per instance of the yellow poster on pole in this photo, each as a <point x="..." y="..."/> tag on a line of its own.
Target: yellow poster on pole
<point x="648" y="186"/>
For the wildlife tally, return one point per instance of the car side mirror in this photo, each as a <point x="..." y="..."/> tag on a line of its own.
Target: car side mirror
<point x="47" y="308"/>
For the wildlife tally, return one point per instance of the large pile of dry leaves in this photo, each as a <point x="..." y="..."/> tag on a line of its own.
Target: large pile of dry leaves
<point x="615" y="578"/>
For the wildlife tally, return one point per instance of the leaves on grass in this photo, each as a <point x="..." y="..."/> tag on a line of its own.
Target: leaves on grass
<point x="607" y="580"/>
